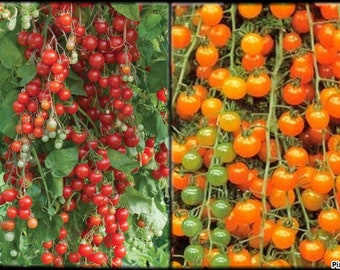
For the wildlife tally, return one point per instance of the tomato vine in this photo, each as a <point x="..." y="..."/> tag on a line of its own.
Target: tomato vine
<point x="84" y="134"/>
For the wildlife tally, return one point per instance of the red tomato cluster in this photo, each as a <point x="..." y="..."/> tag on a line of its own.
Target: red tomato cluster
<point x="93" y="117"/>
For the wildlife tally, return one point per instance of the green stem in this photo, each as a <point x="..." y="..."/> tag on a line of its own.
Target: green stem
<point x="90" y="120"/>
<point x="35" y="155"/>
<point x="185" y="62"/>
<point x="304" y="212"/>
<point x="270" y="117"/>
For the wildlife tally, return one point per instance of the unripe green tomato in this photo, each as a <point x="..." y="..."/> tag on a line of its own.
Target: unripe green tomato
<point x="192" y="160"/>
<point x="217" y="175"/>
<point x="191" y="226"/>
<point x="192" y="195"/>
<point x="220" y="261"/>
<point x="194" y="254"/>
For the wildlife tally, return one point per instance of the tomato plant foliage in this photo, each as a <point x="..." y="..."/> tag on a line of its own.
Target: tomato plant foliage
<point x="78" y="111"/>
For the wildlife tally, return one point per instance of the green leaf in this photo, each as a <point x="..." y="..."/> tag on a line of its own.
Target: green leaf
<point x="8" y="119"/>
<point x="135" y="201"/>
<point x="158" y="75"/>
<point x="146" y="51"/>
<point x="158" y="219"/>
<point x="146" y="185"/>
<point x="121" y="162"/>
<point x="129" y="10"/>
<point x="9" y="53"/>
<point x="57" y="187"/>
<point x="4" y="74"/>
<point x="34" y="191"/>
<point x="150" y="27"/>
<point x="3" y="28"/>
<point x="48" y="228"/>
<point x="62" y="161"/>
<point x="75" y="83"/>
<point x="26" y="72"/>
<point x="153" y="122"/>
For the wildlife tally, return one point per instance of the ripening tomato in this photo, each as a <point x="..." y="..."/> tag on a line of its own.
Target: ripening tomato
<point x="291" y="123"/>
<point x="258" y="85"/>
<point x="293" y="94"/>
<point x="247" y="211"/>
<point x="255" y="238"/>
<point x="177" y="151"/>
<point x="329" y="219"/>
<point x="207" y="136"/>
<point x="211" y="107"/>
<point x="251" y="62"/>
<point x="302" y="71"/>
<point x="329" y="11"/>
<point x="268" y="44"/>
<point x="238" y="172"/>
<point x="279" y="198"/>
<point x="187" y="103"/>
<point x="331" y="254"/>
<point x="207" y="55"/>
<point x="296" y="156"/>
<point x="282" y="10"/>
<point x="316" y="116"/>
<point x="283" y="179"/>
<point x="238" y="257"/>
<point x="180" y="36"/>
<point x="312" y="200"/>
<point x="234" y="88"/>
<point x="249" y="10"/>
<point x="229" y="121"/>
<point x="180" y="180"/>
<point x="291" y="41"/>
<point x="224" y="152"/>
<point x="300" y="21"/>
<point x="219" y="34"/>
<point x="311" y="250"/>
<point x="333" y="143"/>
<point x="322" y="182"/>
<point x="246" y="145"/>
<point x="283" y="237"/>
<point x="211" y="14"/>
<point x="252" y="43"/>
<point x="217" y="76"/>
<point x="332" y="105"/>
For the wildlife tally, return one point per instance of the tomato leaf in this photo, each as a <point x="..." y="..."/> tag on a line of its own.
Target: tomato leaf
<point x="26" y="73"/>
<point x="158" y="75"/>
<point x="4" y="74"/>
<point x="3" y="25"/>
<point x="48" y="228"/>
<point x="154" y="123"/>
<point x="129" y="10"/>
<point x="8" y="119"/>
<point x="35" y="192"/>
<point x="57" y="187"/>
<point x="120" y="161"/>
<point x="158" y="219"/>
<point x="150" y="28"/>
<point x="62" y="161"/>
<point x="9" y="53"/>
<point x="135" y="201"/>
<point x="146" y="185"/>
<point x="146" y="52"/>
<point x="75" y="83"/>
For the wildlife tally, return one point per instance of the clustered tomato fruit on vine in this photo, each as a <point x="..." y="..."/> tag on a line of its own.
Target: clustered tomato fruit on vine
<point x="80" y="139"/>
<point x="255" y="136"/>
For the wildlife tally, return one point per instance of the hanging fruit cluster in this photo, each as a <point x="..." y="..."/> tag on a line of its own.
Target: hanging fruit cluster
<point x="83" y="152"/>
